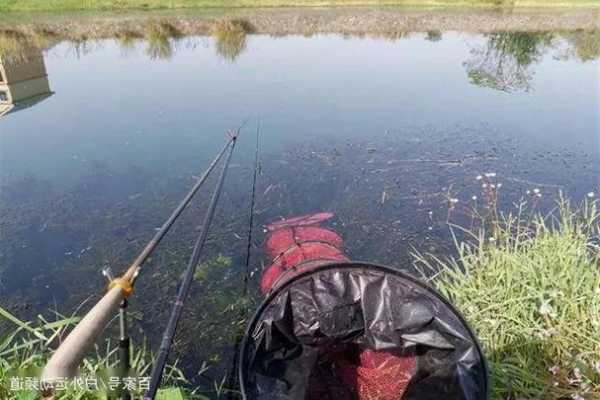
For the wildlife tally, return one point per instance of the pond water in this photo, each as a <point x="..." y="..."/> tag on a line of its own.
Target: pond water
<point x="382" y="131"/>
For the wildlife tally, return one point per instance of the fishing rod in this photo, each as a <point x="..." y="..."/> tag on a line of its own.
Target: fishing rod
<point x="171" y="328"/>
<point x="66" y="359"/>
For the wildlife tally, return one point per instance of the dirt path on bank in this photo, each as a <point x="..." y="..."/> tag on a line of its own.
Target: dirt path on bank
<point x="388" y="21"/>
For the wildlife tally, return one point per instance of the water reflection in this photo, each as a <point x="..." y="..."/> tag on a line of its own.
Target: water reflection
<point x="159" y="36"/>
<point x="23" y="80"/>
<point x="230" y="38"/>
<point x="503" y="63"/>
<point x="585" y="46"/>
<point x="433" y="36"/>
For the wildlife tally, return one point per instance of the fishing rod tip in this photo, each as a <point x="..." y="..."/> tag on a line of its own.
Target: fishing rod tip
<point x="233" y="134"/>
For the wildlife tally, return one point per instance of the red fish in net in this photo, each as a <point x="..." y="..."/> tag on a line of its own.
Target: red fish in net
<point x="280" y="240"/>
<point x="303" y="220"/>
<point x="379" y="375"/>
<point x="299" y="244"/>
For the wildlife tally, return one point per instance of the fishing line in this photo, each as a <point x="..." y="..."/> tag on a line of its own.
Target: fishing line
<point x="252" y="201"/>
<point x="232" y="378"/>
<point x="133" y="270"/>
<point x="176" y="311"/>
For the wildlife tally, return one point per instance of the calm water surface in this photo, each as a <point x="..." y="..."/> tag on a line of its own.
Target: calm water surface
<point x="89" y="172"/>
<point x="121" y="106"/>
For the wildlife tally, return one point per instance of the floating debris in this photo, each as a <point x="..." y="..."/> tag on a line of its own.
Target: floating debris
<point x="268" y="189"/>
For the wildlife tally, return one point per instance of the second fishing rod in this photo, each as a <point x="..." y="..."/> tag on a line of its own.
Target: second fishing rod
<point x="171" y="328"/>
<point x="65" y="360"/>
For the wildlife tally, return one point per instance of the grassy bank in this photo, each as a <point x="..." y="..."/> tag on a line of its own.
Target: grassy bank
<point x="64" y="5"/>
<point x="25" y="347"/>
<point x="532" y="293"/>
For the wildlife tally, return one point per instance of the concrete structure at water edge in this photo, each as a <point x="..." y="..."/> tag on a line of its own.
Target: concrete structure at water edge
<point x="23" y="81"/>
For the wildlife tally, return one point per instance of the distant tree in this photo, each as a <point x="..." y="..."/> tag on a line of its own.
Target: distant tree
<point x="504" y="62"/>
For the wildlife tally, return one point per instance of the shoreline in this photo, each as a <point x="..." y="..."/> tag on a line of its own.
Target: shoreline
<point x="305" y="21"/>
<point x="141" y="5"/>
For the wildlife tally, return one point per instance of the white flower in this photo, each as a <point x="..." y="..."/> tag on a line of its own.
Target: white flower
<point x="573" y="381"/>
<point x="499" y="185"/>
<point x="591" y="195"/>
<point x="493" y="186"/>
<point x="453" y="200"/>
<point x="474" y="198"/>
<point x="543" y="334"/>
<point x="490" y="175"/>
<point x="493" y="323"/>
<point x="479" y="177"/>
<point x="547" y="309"/>
<point x="536" y="191"/>
<point x="528" y="192"/>
<point x="484" y="185"/>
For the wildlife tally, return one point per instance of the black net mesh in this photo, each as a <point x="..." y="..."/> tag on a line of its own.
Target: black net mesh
<point x="360" y="331"/>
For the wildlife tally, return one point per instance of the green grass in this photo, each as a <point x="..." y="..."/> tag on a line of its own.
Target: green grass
<point x="63" y="5"/>
<point x="25" y="347"/>
<point x="531" y="290"/>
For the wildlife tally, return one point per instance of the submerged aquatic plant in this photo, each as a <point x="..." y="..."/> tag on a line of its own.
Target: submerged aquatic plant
<point x="533" y="296"/>
<point x="218" y="263"/>
<point x="230" y="37"/>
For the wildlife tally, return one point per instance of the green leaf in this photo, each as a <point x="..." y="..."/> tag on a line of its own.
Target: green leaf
<point x="21" y="324"/>
<point x="170" y="394"/>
